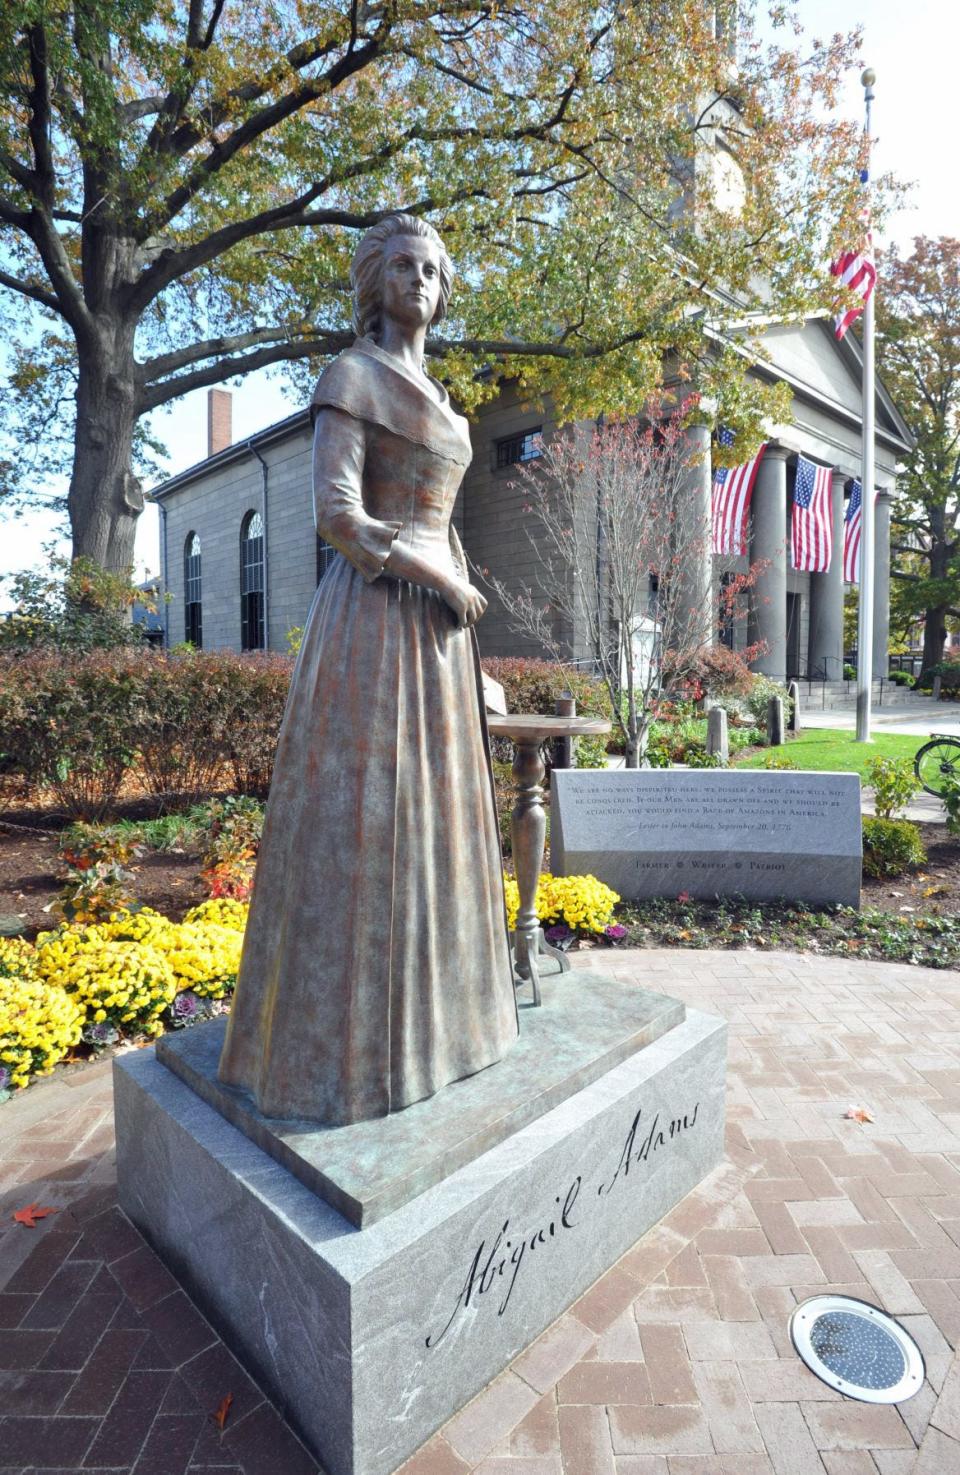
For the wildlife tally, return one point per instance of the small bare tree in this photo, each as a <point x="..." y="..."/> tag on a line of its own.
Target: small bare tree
<point x="622" y="539"/>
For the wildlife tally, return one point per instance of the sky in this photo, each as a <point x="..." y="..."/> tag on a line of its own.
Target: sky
<point x="913" y="49"/>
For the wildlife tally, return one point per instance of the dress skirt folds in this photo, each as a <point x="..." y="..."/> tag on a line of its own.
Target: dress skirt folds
<point x="375" y="967"/>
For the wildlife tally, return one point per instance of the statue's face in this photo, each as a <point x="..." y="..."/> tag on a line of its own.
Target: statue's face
<point x="411" y="280"/>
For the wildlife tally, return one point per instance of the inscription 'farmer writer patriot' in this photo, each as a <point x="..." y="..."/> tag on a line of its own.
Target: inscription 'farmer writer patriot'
<point x="500" y="1264"/>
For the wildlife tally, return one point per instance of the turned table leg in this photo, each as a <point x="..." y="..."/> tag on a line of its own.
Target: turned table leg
<point x="528" y="829"/>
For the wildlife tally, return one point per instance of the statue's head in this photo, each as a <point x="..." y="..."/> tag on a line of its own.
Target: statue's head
<point x="366" y="269"/>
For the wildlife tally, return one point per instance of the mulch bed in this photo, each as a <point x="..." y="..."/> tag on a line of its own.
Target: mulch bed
<point x="169" y="881"/>
<point x="934" y="891"/>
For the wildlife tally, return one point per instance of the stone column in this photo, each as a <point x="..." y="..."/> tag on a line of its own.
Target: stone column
<point x="881" y="583"/>
<point x="825" y="650"/>
<point x="697" y="588"/>
<point x="768" y="598"/>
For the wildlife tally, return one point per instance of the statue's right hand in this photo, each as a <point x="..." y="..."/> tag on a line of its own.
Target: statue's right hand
<point x="467" y="603"/>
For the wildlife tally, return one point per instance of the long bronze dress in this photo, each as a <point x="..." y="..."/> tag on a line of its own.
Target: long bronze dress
<point x="375" y="967"/>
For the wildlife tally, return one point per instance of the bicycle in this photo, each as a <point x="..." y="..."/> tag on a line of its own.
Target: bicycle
<point x="938" y="759"/>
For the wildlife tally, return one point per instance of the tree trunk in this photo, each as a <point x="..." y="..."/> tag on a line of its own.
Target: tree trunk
<point x="935" y="618"/>
<point x="934" y="634"/>
<point x="105" y="498"/>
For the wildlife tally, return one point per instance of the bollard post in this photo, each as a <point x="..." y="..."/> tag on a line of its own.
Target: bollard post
<point x="718" y="741"/>
<point x="775" y="722"/>
<point x="564" y="706"/>
<point x="793" y="691"/>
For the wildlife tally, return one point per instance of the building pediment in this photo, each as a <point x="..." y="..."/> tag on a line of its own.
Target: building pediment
<point x="808" y="357"/>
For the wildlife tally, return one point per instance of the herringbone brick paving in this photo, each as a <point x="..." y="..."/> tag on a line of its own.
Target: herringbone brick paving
<point x="677" y="1362"/>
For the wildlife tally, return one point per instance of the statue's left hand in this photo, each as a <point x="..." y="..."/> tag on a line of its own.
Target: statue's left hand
<point x="467" y="603"/>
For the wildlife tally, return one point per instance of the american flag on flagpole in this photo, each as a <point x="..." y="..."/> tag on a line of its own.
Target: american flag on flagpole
<point x="852" y="522"/>
<point x="855" y="270"/>
<point x="812" y="525"/>
<point x="732" y="492"/>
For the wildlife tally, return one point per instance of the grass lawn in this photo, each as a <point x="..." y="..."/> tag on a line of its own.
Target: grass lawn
<point x="824" y="748"/>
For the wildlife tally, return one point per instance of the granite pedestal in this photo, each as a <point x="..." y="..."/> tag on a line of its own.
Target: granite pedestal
<point x="369" y="1339"/>
<point x="368" y="1169"/>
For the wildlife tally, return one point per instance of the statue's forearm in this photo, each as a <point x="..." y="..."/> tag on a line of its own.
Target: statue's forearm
<point x="405" y="563"/>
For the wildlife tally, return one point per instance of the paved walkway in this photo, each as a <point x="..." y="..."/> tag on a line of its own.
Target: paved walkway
<point x="918" y="717"/>
<point x="677" y="1362"/>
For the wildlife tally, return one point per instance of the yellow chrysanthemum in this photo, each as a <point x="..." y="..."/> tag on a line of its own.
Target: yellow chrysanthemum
<point x="582" y="902"/>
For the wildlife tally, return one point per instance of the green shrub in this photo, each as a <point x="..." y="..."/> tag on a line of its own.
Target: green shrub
<point x="233" y="841"/>
<point x="949" y="673"/>
<point x="761" y="692"/>
<point x="950" y="794"/>
<point x="256" y="691"/>
<point x="778" y="761"/>
<point x="183" y="725"/>
<point x="659" y="753"/>
<point x="696" y="756"/>
<point x="745" y="737"/>
<point x="849" y="673"/>
<point x="506" y="798"/>
<point x="891" y="847"/>
<point x="900" y="678"/>
<point x="71" y="606"/>
<point x="894" y="785"/>
<point x="77" y="722"/>
<point x="66" y="723"/>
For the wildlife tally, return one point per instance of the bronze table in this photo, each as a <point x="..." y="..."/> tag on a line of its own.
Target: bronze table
<point x="528" y="827"/>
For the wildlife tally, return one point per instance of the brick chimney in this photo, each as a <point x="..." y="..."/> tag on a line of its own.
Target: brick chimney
<point x="219" y="420"/>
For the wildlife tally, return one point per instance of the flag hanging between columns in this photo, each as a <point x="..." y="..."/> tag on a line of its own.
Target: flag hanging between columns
<point x="812" y="524"/>
<point x="852" y="521"/>
<point x="732" y="493"/>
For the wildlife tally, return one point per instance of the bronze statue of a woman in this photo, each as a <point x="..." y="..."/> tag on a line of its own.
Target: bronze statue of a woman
<point x="376" y="967"/>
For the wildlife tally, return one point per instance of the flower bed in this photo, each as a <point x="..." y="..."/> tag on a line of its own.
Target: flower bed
<point x="133" y="975"/>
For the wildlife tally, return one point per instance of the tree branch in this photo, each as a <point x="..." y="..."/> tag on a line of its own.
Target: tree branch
<point x="229" y="368"/>
<point x="159" y="392"/>
<point x="30" y="289"/>
<point x="13" y="215"/>
<point x="38" y="100"/>
<point x="259" y="123"/>
<point x="157" y="368"/>
<point x="140" y="107"/>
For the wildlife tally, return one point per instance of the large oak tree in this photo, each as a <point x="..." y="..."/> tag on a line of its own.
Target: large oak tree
<point x="918" y="314"/>
<point x="182" y="183"/>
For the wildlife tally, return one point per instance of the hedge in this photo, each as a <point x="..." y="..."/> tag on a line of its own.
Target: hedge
<point x="76" y="724"/>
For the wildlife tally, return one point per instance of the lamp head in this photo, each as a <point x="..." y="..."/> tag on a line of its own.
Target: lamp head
<point x="867" y="77"/>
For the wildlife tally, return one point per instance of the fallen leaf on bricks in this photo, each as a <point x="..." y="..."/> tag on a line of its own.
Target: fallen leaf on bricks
<point x="31" y="1213"/>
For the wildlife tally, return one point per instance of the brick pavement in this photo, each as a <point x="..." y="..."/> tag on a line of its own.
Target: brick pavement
<point x="677" y="1362"/>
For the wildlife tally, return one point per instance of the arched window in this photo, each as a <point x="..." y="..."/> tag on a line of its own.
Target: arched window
<point x="251" y="582"/>
<point x="192" y="595"/>
<point x="325" y="556"/>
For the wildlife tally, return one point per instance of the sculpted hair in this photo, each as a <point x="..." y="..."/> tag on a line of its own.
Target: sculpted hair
<point x="366" y="269"/>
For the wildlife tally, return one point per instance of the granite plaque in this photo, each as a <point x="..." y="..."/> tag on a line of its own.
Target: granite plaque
<point x="710" y="832"/>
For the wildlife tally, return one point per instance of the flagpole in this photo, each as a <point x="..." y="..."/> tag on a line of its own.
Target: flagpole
<point x="865" y="619"/>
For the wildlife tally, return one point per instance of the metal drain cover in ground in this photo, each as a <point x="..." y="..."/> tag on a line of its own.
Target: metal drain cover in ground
<point x="857" y="1349"/>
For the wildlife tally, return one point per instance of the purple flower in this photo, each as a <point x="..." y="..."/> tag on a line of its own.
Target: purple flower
<point x="557" y="933"/>
<point x="102" y="1033"/>
<point x="615" y="932"/>
<point x="4" y="1078"/>
<point x="185" y="1005"/>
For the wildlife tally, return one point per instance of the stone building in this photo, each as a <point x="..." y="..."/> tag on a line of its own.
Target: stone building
<point x="241" y="559"/>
